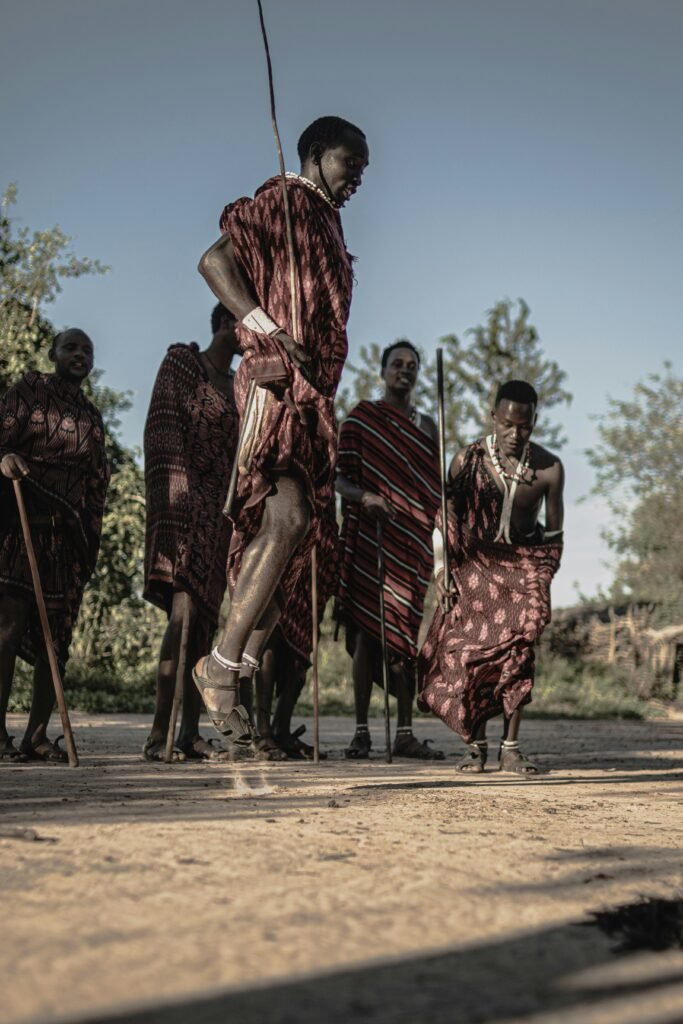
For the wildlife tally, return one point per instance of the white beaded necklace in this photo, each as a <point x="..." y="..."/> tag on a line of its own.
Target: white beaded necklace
<point x="312" y="186"/>
<point x="509" y="492"/>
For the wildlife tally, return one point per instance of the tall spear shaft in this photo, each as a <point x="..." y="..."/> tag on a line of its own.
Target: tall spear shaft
<point x="443" y="469"/>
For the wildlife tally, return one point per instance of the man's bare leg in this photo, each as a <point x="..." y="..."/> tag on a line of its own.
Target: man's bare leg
<point x="406" y="744"/>
<point x="286" y="521"/>
<point x="260" y="660"/>
<point x="35" y="743"/>
<point x="359" y="747"/>
<point x="14" y="613"/>
<point x="474" y="761"/>
<point x="511" y="758"/>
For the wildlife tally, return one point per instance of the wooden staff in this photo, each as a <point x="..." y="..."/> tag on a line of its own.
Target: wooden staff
<point x="443" y="469"/>
<point x="383" y="639"/>
<point x="47" y="635"/>
<point x="314" y="654"/>
<point x="179" y="680"/>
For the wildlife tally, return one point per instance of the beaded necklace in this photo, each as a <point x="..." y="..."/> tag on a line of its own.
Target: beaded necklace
<point x="522" y="464"/>
<point x="312" y="186"/>
<point x="509" y="492"/>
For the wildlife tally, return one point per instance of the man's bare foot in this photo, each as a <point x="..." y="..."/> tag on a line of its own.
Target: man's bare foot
<point x="154" y="749"/>
<point x="359" y="747"/>
<point x="265" y="748"/>
<point x="294" y="746"/>
<point x="474" y="761"/>
<point x="406" y="744"/>
<point x="219" y="689"/>
<point x="511" y="759"/>
<point x="10" y="753"/>
<point x="199" y="749"/>
<point x="45" y="750"/>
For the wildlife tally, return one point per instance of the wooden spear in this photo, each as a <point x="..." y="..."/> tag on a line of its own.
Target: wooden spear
<point x="383" y="639"/>
<point x="443" y="469"/>
<point x="47" y="635"/>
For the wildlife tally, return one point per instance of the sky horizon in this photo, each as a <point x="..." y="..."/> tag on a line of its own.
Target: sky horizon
<point x="518" y="149"/>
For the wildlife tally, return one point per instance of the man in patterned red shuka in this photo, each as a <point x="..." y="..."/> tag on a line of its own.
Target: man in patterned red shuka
<point x="190" y="442"/>
<point x="287" y="461"/>
<point x="478" y="658"/>
<point x="52" y="438"/>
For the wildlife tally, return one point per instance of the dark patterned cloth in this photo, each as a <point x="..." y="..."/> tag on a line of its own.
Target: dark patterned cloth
<point x="478" y="658"/>
<point x="59" y="432"/>
<point x="298" y="433"/>
<point x="190" y="441"/>
<point x="383" y="451"/>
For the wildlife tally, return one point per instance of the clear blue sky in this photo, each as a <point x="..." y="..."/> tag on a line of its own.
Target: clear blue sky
<point x="518" y="148"/>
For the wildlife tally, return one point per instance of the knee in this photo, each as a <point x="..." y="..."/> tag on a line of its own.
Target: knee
<point x="290" y="526"/>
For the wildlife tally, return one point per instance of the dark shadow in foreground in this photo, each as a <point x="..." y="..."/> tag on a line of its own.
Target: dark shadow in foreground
<point x="570" y="968"/>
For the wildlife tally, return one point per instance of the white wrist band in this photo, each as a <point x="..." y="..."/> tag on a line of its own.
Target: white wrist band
<point x="437" y="545"/>
<point x="259" y="322"/>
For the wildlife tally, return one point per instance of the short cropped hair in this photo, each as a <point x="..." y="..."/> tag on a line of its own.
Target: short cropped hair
<point x="517" y="391"/>
<point x="217" y="314"/>
<point x="328" y="131"/>
<point x="400" y="343"/>
<point x="68" y="330"/>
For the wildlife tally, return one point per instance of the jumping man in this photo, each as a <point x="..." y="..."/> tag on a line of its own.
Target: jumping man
<point x="288" y="454"/>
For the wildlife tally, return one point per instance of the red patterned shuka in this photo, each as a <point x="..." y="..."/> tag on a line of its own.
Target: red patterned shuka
<point x="58" y="431"/>
<point x="383" y="451"/>
<point x="190" y="441"/>
<point x="298" y="434"/>
<point x="478" y="658"/>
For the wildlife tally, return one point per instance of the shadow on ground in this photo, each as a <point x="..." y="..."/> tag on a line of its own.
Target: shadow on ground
<point x="569" y="973"/>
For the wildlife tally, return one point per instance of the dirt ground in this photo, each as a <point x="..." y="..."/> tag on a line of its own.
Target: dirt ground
<point x="344" y="892"/>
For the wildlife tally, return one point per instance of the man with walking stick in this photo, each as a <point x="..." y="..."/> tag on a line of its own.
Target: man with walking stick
<point x="388" y="475"/>
<point x="52" y="450"/>
<point x="190" y="442"/>
<point x="287" y="450"/>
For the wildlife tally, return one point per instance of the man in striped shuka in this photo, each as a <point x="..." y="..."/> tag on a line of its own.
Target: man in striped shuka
<point x="387" y="472"/>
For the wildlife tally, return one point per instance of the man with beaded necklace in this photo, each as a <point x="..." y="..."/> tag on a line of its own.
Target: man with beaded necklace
<point x="478" y="658"/>
<point x="288" y="442"/>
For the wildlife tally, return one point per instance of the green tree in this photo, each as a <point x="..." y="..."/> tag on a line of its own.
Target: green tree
<point x="638" y="462"/>
<point x="506" y="346"/>
<point x="115" y="642"/>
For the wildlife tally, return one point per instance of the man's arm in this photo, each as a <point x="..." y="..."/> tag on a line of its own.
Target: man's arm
<point x="377" y="507"/>
<point x="554" y="499"/>
<point x="224" y="276"/>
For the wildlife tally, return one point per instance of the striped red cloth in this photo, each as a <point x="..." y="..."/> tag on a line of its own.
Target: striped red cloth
<point x="298" y="435"/>
<point x="385" y="452"/>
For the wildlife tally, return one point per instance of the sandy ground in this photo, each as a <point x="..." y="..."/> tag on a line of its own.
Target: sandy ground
<point x="348" y="891"/>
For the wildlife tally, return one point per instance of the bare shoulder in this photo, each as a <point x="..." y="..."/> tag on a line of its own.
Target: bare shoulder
<point x="457" y="462"/>
<point x="428" y="426"/>
<point x="546" y="462"/>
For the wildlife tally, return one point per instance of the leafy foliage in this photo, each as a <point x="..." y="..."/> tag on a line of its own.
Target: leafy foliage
<point x="116" y="639"/>
<point x="506" y="346"/>
<point x="638" y="462"/>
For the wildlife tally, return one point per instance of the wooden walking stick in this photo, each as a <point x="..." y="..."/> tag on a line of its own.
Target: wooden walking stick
<point x="383" y="639"/>
<point x="47" y="635"/>
<point x="179" y="680"/>
<point x="443" y="469"/>
<point x="314" y="654"/>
